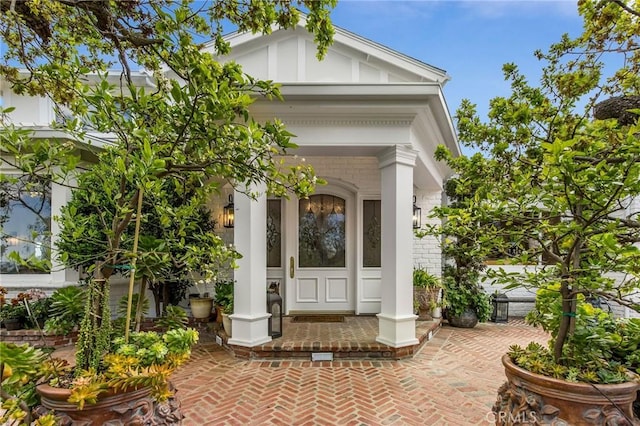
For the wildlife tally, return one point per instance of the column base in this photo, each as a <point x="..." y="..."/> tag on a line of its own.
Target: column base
<point x="397" y="331"/>
<point x="249" y="331"/>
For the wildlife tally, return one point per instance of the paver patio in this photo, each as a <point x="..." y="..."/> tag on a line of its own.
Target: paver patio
<point x="451" y="381"/>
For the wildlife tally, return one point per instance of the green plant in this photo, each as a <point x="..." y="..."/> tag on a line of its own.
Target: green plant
<point x="22" y="367"/>
<point x="423" y="279"/>
<point x="224" y="294"/>
<point x="177" y="147"/>
<point x="119" y="323"/>
<point x="556" y="172"/>
<point x="461" y="296"/>
<point x="38" y="312"/>
<point x="15" y="309"/>
<point x="123" y="304"/>
<point x="67" y="307"/>
<point x="173" y="317"/>
<point x="601" y="349"/>
<point x="228" y="308"/>
<point x="147" y="359"/>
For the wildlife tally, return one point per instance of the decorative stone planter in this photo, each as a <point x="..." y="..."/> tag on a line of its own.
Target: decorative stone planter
<point x="426" y="298"/>
<point x="468" y="319"/>
<point x="134" y="407"/>
<point x="529" y="398"/>
<point x="201" y="307"/>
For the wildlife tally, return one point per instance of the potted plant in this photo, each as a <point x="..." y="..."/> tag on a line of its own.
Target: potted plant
<point x="133" y="369"/>
<point x="561" y="183"/>
<point x="426" y="292"/>
<point x="224" y="300"/>
<point x="226" y="321"/>
<point x="38" y="305"/>
<point x="13" y="314"/>
<point x="201" y="306"/>
<point x="464" y="300"/>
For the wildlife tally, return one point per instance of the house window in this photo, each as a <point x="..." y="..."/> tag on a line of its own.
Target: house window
<point x="25" y="223"/>
<point x="274" y="233"/>
<point x="371" y="234"/>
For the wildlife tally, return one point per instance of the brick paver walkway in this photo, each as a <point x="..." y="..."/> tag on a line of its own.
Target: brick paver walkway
<point x="452" y="381"/>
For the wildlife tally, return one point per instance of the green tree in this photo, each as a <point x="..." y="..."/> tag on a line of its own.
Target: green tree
<point x="556" y="181"/>
<point x="462" y="240"/>
<point x="193" y="125"/>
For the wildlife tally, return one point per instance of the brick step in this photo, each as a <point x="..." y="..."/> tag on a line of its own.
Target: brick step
<point x="341" y="350"/>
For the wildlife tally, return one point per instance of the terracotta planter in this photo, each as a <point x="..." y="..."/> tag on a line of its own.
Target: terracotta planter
<point x="468" y="319"/>
<point x="529" y="398"/>
<point x="218" y="314"/>
<point x="201" y="307"/>
<point x="113" y="409"/>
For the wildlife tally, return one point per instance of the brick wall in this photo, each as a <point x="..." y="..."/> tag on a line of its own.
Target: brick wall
<point x="426" y="251"/>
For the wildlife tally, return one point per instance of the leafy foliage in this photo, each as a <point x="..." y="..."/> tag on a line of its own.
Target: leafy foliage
<point x="422" y="278"/>
<point x="148" y="359"/>
<point x="462" y="241"/>
<point x="173" y="317"/>
<point x="602" y="350"/>
<point x="563" y="183"/>
<point x="224" y="293"/>
<point x="189" y="135"/>
<point x="67" y="308"/>
<point x="461" y="295"/>
<point x="22" y="367"/>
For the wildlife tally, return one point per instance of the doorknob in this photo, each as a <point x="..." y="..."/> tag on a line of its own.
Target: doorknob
<point x="291" y="267"/>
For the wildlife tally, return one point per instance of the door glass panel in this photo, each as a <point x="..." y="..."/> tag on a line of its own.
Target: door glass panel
<point x="371" y="234"/>
<point x="321" y="231"/>
<point x="274" y="233"/>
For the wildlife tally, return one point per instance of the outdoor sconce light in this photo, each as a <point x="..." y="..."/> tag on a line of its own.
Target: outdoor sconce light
<point x="417" y="215"/>
<point x="500" y="304"/>
<point x="274" y="307"/>
<point x="228" y="214"/>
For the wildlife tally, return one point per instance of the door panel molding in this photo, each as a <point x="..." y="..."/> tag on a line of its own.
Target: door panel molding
<point x="307" y="290"/>
<point x="336" y="290"/>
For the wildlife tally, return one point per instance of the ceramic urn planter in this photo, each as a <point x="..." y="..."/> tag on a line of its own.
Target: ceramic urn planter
<point x="201" y="307"/>
<point x="133" y="407"/>
<point x="529" y="398"/>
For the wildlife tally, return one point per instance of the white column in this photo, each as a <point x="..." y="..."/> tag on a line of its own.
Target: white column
<point x="396" y="321"/>
<point x="249" y="318"/>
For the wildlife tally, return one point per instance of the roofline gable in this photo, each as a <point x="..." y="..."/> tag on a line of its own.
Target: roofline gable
<point x="356" y="42"/>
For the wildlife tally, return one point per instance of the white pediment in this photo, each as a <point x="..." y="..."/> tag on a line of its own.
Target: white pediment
<point x="289" y="56"/>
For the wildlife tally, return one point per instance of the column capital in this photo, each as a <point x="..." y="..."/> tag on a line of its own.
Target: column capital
<point x="397" y="154"/>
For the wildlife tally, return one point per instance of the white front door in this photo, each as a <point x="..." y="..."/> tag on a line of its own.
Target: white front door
<point x="321" y="271"/>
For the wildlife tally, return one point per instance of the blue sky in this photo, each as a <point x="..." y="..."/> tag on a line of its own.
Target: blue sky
<point x="469" y="39"/>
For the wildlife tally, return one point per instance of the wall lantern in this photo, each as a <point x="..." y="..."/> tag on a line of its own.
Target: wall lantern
<point x="417" y="215"/>
<point x="500" y="304"/>
<point x="228" y="214"/>
<point x="274" y="307"/>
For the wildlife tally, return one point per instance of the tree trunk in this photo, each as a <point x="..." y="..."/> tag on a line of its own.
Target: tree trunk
<point x="567" y="321"/>
<point x="143" y="289"/>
